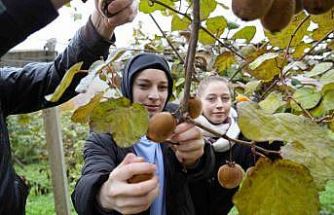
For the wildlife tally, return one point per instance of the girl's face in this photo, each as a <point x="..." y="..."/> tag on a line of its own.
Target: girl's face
<point x="216" y="100"/>
<point x="150" y="88"/>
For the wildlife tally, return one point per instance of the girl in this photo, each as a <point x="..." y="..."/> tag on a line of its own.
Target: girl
<point x="218" y="114"/>
<point x="103" y="187"/>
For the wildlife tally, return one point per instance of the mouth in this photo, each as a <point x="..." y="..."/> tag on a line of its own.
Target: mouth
<point x="152" y="108"/>
<point x="218" y="113"/>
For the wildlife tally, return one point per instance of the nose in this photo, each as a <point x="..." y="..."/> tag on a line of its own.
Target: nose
<point x="219" y="104"/>
<point x="153" y="94"/>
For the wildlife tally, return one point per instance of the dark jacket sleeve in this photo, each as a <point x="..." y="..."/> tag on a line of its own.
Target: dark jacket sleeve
<point x="24" y="89"/>
<point x="19" y="19"/>
<point x="99" y="156"/>
<point x="205" y="166"/>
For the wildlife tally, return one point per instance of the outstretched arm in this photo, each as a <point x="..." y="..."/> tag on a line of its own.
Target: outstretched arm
<point x="23" y="89"/>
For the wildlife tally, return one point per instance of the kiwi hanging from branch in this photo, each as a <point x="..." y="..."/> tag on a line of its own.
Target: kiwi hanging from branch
<point x="318" y="6"/>
<point x="248" y="10"/>
<point x="279" y="15"/>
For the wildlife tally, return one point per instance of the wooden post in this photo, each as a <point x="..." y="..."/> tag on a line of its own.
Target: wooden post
<point x="56" y="160"/>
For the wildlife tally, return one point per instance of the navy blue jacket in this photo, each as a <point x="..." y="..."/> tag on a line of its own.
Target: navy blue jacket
<point x="23" y="90"/>
<point x="20" y="18"/>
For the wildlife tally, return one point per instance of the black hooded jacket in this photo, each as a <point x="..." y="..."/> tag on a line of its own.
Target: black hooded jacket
<point x="102" y="155"/>
<point x="23" y="90"/>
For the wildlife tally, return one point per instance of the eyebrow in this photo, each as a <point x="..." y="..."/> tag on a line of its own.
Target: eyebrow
<point x="148" y="80"/>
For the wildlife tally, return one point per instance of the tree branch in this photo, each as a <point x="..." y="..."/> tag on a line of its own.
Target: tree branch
<point x="168" y="41"/>
<point x="191" y="55"/>
<point x="315" y="45"/>
<point x="201" y="27"/>
<point x="217" y="134"/>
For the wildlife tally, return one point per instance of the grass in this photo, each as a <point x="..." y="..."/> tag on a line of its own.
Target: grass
<point x="40" y="200"/>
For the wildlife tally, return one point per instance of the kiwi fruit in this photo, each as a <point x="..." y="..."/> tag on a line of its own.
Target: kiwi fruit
<point x="299" y="6"/>
<point x="194" y="107"/>
<point x="318" y="6"/>
<point x="279" y="15"/>
<point x="140" y="178"/>
<point x="230" y="175"/>
<point x="248" y="10"/>
<point x="161" y="126"/>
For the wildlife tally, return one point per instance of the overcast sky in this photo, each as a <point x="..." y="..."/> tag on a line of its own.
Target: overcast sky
<point x="64" y="27"/>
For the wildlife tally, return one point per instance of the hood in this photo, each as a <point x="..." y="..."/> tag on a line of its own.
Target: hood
<point x="139" y="63"/>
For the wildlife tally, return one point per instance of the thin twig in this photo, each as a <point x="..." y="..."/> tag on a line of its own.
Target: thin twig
<point x="289" y="44"/>
<point x="239" y="70"/>
<point x="218" y="134"/>
<point x="315" y="45"/>
<point x="191" y="55"/>
<point x="273" y="84"/>
<point x="303" y="109"/>
<point x="201" y="27"/>
<point x="168" y="41"/>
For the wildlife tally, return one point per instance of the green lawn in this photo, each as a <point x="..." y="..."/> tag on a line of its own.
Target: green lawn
<point x="40" y="200"/>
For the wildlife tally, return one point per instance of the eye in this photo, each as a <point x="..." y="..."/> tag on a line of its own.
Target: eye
<point x="211" y="99"/>
<point x="226" y="98"/>
<point x="163" y="88"/>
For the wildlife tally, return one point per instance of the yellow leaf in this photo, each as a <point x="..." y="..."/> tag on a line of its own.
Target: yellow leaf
<point x="65" y="83"/>
<point x="82" y="114"/>
<point x="125" y="121"/>
<point x="300" y="49"/>
<point x="325" y="24"/>
<point x="265" y="67"/>
<point x="276" y="188"/>
<point x="224" y="61"/>
<point x="281" y="39"/>
<point x="315" y="140"/>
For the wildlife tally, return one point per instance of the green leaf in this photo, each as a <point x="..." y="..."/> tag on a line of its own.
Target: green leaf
<point x="115" y="55"/>
<point x="82" y="114"/>
<point x="126" y="122"/>
<point x="179" y="23"/>
<point x="319" y="69"/>
<point x="325" y="22"/>
<point x="265" y="67"/>
<point x="275" y="188"/>
<point x="328" y="77"/>
<point x="65" y="83"/>
<point x="307" y="97"/>
<point x="224" y="61"/>
<point x="272" y="102"/>
<point x="260" y="126"/>
<point x="232" y="25"/>
<point x="251" y="87"/>
<point x="281" y="39"/>
<point x="207" y="7"/>
<point x="216" y="25"/>
<point x="205" y="38"/>
<point x="146" y="6"/>
<point x="247" y="33"/>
